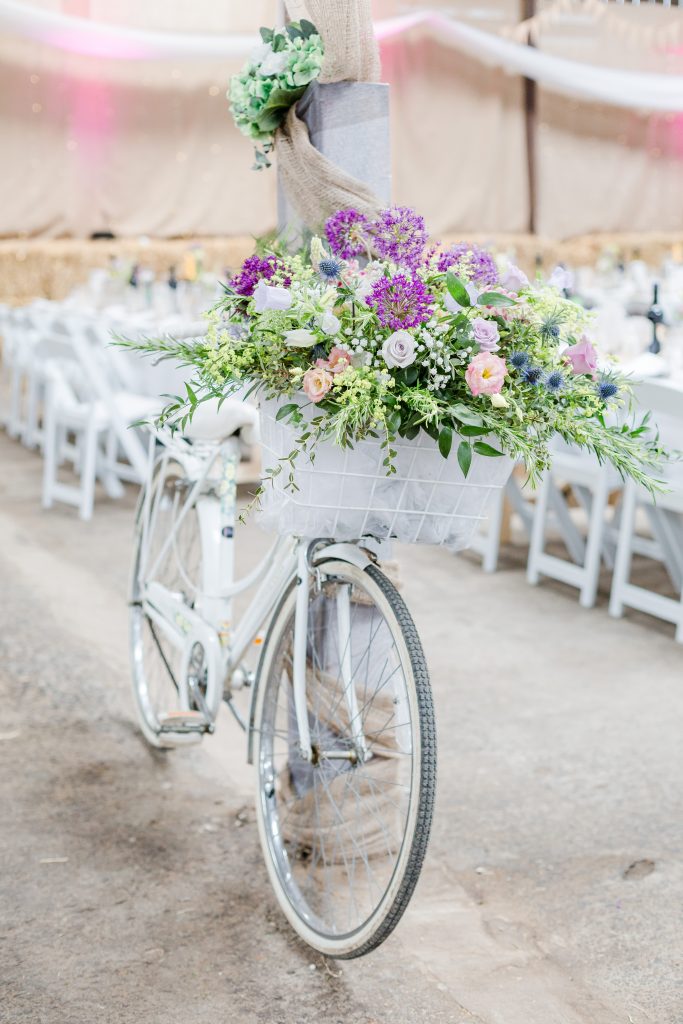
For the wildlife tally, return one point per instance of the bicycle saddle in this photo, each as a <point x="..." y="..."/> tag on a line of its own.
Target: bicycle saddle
<point x="211" y="423"/>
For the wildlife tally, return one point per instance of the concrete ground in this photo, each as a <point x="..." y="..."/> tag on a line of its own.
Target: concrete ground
<point x="132" y="887"/>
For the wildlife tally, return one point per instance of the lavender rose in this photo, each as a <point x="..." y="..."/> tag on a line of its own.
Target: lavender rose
<point x="399" y="349"/>
<point x="486" y="334"/>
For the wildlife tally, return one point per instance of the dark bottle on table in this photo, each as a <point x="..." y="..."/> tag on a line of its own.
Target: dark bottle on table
<point x="655" y="315"/>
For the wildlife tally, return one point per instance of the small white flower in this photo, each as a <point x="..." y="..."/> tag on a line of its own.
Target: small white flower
<point x="498" y="402"/>
<point x="274" y="64"/>
<point x="259" y="54"/>
<point x="300" y="338"/>
<point x="329" y="323"/>
<point x="268" y="296"/>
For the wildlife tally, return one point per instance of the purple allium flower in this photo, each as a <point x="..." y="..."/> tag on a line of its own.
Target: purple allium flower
<point x="399" y="234"/>
<point x="471" y="263"/>
<point x="400" y="301"/>
<point x="346" y="231"/>
<point x="255" y="269"/>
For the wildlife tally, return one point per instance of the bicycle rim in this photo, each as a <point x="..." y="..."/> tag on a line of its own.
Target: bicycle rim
<point x="344" y="839"/>
<point x="156" y="662"/>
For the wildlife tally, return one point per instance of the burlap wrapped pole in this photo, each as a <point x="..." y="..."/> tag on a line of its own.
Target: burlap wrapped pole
<point x="315" y="185"/>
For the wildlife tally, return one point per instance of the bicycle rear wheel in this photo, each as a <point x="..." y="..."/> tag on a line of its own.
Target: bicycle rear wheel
<point x="344" y="837"/>
<point x="157" y="664"/>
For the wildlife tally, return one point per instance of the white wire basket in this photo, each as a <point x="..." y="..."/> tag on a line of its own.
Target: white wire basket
<point x="345" y="493"/>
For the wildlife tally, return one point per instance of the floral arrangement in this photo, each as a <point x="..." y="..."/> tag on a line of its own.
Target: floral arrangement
<point x="372" y="332"/>
<point x="275" y="76"/>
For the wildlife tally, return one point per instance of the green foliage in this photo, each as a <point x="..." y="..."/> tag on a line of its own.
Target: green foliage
<point x="368" y="396"/>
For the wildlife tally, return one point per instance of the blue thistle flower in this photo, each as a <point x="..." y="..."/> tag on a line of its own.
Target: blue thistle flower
<point x="519" y="359"/>
<point x="532" y="375"/>
<point x="607" y="389"/>
<point x="554" y="381"/>
<point x="330" y="269"/>
<point x="319" y="352"/>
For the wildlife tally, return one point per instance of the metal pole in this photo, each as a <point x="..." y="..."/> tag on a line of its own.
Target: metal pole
<point x="530" y="122"/>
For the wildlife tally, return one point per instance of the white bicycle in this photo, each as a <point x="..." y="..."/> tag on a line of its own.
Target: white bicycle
<point x="341" y="724"/>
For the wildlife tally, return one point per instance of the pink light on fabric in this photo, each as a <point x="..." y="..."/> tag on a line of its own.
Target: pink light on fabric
<point x="92" y="122"/>
<point x="79" y="8"/>
<point x="78" y="34"/>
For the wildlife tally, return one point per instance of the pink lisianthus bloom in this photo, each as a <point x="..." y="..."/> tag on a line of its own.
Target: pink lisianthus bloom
<point x="582" y="356"/>
<point x="486" y="374"/>
<point x="317" y="382"/>
<point x="338" y="359"/>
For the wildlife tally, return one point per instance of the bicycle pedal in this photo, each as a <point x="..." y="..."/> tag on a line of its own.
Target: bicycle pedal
<point x="184" y="722"/>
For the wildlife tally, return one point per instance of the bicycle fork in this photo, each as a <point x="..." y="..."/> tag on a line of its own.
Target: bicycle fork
<point x="359" y="751"/>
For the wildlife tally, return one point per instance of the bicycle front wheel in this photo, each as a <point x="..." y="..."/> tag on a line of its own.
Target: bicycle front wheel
<point x="345" y="835"/>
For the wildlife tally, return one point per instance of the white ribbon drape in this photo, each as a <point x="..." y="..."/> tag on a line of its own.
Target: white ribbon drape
<point x="633" y="89"/>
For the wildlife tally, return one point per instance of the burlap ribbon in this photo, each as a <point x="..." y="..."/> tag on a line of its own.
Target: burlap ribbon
<point x="315" y="186"/>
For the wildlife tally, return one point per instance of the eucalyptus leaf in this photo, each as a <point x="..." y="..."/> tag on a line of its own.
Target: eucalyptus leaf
<point x="469" y="431"/>
<point x="274" y="110"/>
<point x="481" y="448"/>
<point x="494" y="299"/>
<point x="286" y="410"/>
<point x="465" y="457"/>
<point x="466" y="415"/>
<point x="393" y="421"/>
<point x="445" y="441"/>
<point x="457" y="289"/>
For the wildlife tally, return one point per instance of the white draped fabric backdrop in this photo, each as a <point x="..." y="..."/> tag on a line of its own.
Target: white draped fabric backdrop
<point x="124" y="126"/>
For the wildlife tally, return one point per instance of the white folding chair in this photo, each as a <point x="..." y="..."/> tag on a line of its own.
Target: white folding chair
<point x="591" y="484"/>
<point x="664" y="514"/>
<point x="487" y="541"/>
<point x="82" y="398"/>
<point x="19" y="339"/>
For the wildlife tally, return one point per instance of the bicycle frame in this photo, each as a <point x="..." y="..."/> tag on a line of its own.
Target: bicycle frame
<point x="211" y="484"/>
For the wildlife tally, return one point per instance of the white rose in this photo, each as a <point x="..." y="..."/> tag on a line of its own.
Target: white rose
<point x="329" y="323"/>
<point x="274" y="64"/>
<point x="399" y="349"/>
<point x="300" y="338"/>
<point x="267" y="296"/>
